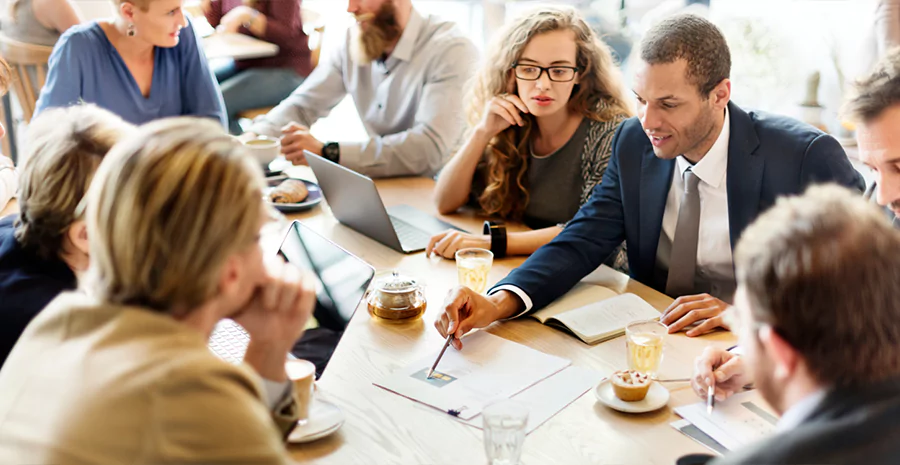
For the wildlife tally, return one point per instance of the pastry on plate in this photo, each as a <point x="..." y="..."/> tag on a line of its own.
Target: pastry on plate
<point x="289" y="191"/>
<point x="630" y="385"/>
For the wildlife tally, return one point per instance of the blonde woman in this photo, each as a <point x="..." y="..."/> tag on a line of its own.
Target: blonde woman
<point x="122" y="372"/>
<point x="143" y="64"/>
<point x="44" y="247"/>
<point x="543" y="111"/>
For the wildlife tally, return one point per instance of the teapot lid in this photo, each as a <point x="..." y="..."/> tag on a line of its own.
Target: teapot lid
<point x="395" y="283"/>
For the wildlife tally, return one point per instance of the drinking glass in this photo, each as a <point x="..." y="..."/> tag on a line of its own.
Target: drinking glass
<point x="504" y="431"/>
<point x="644" y="340"/>
<point x="473" y="266"/>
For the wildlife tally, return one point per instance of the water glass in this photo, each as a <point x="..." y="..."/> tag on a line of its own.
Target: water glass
<point x="473" y="266"/>
<point x="644" y="341"/>
<point x="504" y="431"/>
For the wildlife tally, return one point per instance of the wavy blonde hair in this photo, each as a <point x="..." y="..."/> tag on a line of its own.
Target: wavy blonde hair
<point x="166" y="210"/>
<point x="599" y="96"/>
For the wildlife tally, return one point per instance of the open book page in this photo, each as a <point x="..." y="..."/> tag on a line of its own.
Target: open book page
<point x="606" y="319"/>
<point x="580" y="295"/>
<point x="488" y="368"/>
<point x="740" y="420"/>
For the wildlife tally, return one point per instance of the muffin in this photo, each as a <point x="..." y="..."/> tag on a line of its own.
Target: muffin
<point x="630" y="385"/>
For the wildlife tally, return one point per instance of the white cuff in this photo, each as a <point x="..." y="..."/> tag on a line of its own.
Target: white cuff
<point x="275" y="391"/>
<point x="519" y="292"/>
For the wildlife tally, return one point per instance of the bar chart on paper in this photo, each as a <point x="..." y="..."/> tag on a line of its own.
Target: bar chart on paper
<point x="742" y="419"/>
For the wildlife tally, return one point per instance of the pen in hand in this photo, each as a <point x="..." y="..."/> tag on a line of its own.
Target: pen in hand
<point x="710" y="397"/>
<point x="440" y="355"/>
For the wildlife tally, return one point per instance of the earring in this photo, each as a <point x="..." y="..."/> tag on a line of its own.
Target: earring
<point x="131" y="30"/>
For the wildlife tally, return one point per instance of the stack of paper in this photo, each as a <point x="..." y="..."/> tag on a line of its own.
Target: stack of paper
<point x="490" y="368"/>
<point x="742" y="419"/>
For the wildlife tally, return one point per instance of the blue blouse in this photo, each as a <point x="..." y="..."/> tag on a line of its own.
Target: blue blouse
<point x="84" y="66"/>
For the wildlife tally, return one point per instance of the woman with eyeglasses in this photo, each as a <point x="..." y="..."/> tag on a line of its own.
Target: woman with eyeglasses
<point x="543" y="110"/>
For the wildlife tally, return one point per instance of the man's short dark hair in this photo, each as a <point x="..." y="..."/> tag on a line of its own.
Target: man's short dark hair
<point x="823" y="270"/>
<point x="697" y="41"/>
<point x="876" y="92"/>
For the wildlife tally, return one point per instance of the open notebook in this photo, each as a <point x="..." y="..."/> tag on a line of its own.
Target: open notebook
<point x="595" y="313"/>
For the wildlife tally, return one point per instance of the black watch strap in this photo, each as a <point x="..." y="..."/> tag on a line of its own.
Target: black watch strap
<point x="332" y="152"/>
<point x="497" y="231"/>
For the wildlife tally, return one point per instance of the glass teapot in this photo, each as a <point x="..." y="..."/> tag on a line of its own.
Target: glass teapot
<point x="396" y="298"/>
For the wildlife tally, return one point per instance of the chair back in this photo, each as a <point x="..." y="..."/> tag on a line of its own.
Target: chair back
<point x="29" y="70"/>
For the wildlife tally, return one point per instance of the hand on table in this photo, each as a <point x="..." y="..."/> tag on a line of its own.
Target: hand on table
<point x="295" y="139"/>
<point x="689" y="309"/>
<point x="724" y="368"/>
<point x="234" y="19"/>
<point x="275" y="317"/>
<point x="446" y="244"/>
<point x="465" y="310"/>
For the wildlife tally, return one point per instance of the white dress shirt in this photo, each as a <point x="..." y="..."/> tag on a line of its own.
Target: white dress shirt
<point x="411" y="104"/>
<point x="9" y="181"/>
<point x="714" y="259"/>
<point x="800" y="411"/>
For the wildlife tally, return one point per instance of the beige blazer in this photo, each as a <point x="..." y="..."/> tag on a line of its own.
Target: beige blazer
<point x="97" y="384"/>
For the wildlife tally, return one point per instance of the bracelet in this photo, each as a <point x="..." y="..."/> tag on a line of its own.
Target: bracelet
<point x="497" y="231"/>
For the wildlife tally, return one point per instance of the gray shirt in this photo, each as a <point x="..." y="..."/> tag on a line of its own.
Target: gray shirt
<point x="554" y="187"/>
<point x="26" y="28"/>
<point x="410" y="104"/>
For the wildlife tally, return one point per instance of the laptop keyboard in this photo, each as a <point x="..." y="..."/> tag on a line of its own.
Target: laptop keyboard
<point x="229" y="341"/>
<point x="409" y="235"/>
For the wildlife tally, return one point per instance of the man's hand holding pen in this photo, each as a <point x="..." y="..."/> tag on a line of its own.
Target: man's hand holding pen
<point x="722" y="370"/>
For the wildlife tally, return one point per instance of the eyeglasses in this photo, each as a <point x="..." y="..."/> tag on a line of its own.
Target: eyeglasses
<point x="555" y="73"/>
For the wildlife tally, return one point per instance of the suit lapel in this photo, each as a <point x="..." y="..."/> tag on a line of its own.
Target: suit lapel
<point x="656" y="178"/>
<point x="745" y="173"/>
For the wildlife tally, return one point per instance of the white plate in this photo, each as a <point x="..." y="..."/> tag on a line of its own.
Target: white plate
<point x="324" y="418"/>
<point x="657" y="398"/>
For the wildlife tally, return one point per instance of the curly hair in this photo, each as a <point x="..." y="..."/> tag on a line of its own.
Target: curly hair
<point x="599" y="96"/>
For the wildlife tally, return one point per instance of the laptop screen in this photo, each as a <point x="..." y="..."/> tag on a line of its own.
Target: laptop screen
<point x="342" y="280"/>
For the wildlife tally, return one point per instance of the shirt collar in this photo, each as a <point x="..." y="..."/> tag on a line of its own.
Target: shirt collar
<point x="800" y="411"/>
<point x="712" y="167"/>
<point x="405" y="46"/>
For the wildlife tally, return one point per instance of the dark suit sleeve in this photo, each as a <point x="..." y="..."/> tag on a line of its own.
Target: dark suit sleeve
<point x="825" y="161"/>
<point x="595" y="232"/>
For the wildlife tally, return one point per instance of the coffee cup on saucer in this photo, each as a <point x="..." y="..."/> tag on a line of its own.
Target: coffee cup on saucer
<point x="264" y="149"/>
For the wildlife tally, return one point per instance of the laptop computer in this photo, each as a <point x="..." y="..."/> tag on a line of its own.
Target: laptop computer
<point x="342" y="280"/>
<point x="355" y="202"/>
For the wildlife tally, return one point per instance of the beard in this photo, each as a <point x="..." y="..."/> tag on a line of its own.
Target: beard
<point x="375" y="34"/>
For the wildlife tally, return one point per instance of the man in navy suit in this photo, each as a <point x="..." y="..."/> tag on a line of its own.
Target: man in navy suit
<point x="684" y="180"/>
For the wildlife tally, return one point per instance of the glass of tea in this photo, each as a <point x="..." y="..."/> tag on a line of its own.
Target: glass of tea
<point x="473" y="266"/>
<point x="644" y="341"/>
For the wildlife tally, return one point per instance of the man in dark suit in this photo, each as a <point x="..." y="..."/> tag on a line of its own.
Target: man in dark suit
<point x="876" y="110"/>
<point x="684" y="180"/>
<point x="816" y="315"/>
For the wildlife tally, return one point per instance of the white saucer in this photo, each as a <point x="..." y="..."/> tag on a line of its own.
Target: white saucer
<point x="657" y="398"/>
<point x="324" y="418"/>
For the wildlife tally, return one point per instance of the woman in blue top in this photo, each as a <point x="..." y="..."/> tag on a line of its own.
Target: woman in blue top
<point x="144" y="64"/>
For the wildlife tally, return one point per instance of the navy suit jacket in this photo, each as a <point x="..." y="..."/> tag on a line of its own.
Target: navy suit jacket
<point x="768" y="156"/>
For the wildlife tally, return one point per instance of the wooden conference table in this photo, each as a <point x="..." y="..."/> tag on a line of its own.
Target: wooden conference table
<point x="384" y="428"/>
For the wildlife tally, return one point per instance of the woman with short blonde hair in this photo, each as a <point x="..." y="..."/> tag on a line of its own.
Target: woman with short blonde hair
<point x="44" y="247"/>
<point x="542" y="110"/>
<point x="174" y="217"/>
<point x="143" y="64"/>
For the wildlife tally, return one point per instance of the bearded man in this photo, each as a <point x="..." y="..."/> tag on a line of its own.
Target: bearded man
<point x="405" y="72"/>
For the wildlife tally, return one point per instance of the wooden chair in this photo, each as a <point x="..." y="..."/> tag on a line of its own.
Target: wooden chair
<point x="29" y="71"/>
<point x="311" y="23"/>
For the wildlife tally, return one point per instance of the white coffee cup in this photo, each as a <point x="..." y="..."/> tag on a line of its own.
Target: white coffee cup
<point x="303" y="374"/>
<point x="264" y="149"/>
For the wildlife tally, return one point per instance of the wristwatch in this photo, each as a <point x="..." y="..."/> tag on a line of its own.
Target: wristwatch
<point x="497" y="230"/>
<point x="332" y="152"/>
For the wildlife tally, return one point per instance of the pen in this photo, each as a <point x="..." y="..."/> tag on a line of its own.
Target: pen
<point x="433" y="367"/>
<point x="710" y="398"/>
